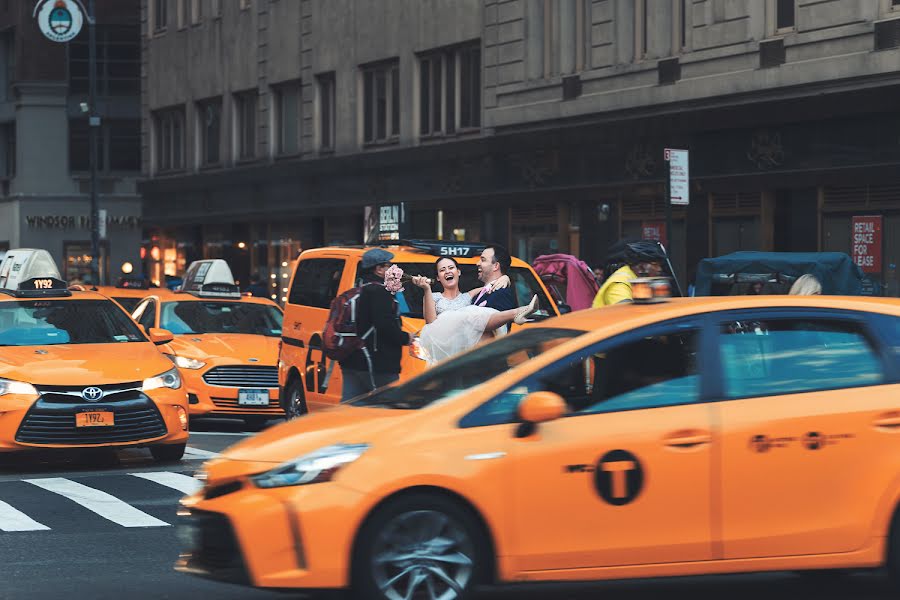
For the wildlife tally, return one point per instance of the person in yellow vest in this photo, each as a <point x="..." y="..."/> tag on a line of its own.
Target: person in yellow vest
<point x="629" y="260"/>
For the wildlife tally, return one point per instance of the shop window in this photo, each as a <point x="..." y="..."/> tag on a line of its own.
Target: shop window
<point x="209" y="118"/>
<point x="326" y="83"/>
<point x="77" y="262"/>
<point x="381" y="102"/>
<point x="450" y="90"/>
<point x="169" y="139"/>
<point x="286" y="100"/>
<point x="245" y="125"/>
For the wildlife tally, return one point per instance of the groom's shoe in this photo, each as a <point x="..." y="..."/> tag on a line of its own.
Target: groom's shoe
<point x="524" y="311"/>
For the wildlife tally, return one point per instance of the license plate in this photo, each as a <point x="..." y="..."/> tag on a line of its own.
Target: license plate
<point x="95" y="419"/>
<point x="253" y="397"/>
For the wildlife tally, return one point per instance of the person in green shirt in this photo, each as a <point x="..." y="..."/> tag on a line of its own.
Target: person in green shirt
<point x="632" y="259"/>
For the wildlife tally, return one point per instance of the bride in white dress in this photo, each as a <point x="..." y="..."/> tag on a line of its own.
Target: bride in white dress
<point x="453" y="323"/>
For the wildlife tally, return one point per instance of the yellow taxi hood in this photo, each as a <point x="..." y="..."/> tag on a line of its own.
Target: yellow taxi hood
<point x="238" y="347"/>
<point x="82" y="364"/>
<point x="287" y="441"/>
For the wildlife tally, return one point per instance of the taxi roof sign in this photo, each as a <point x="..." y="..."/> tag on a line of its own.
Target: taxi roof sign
<point x="210" y="278"/>
<point x="30" y="272"/>
<point x="133" y="283"/>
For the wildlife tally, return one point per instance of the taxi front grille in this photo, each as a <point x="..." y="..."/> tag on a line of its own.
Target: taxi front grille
<point x="116" y="392"/>
<point x="52" y="423"/>
<point x="230" y="405"/>
<point x="215" y="552"/>
<point x="243" y="376"/>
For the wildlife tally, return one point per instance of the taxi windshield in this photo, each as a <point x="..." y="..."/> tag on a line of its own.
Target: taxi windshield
<point x="524" y="286"/>
<point x="51" y="322"/>
<point x="221" y="317"/>
<point x="468" y="370"/>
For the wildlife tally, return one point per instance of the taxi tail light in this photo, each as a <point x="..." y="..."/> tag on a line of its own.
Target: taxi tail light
<point x="648" y="290"/>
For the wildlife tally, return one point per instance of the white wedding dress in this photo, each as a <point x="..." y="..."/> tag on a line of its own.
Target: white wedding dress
<point x="458" y="327"/>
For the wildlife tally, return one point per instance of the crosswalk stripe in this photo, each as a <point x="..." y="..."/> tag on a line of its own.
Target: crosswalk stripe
<point x="107" y="506"/>
<point x="177" y="481"/>
<point x="198" y="453"/>
<point x="14" y="520"/>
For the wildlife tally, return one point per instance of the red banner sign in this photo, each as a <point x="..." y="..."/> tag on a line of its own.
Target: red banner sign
<point x="866" y="243"/>
<point x="654" y="230"/>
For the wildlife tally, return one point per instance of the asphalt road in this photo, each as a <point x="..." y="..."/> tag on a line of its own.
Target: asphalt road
<point x="99" y="525"/>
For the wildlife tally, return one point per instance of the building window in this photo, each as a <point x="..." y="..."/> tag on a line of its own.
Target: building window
<point x="785" y="12"/>
<point x="209" y="119"/>
<point x="381" y="102"/>
<point x="118" y="145"/>
<point x="169" y="141"/>
<point x="286" y="98"/>
<point x="118" y="62"/>
<point x="245" y="4"/>
<point x="216" y="10"/>
<point x="682" y="23"/>
<point x="640" y="29"/>
<point x="450" y="90"/>
<point x="245" y="124"/>
<point x="182" y="8"/>
<point x="326" y="111"/>
<point x="160" y="15"/>
<point x="196" y="11"/>
<point x="8" y="131"/>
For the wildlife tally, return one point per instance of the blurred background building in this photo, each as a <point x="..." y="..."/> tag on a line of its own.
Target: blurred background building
<point x="270" y="126"/>
<point x="44" y="156"/>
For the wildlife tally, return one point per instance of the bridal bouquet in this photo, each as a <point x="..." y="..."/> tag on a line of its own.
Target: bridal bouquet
<point x="394" y="278"/>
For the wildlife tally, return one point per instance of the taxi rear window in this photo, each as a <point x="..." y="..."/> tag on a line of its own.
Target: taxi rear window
<point x="50" y="322"/>
<point x="524" y="286"/>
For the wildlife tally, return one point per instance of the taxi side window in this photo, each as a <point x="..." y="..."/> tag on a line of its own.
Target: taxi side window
<point x="784" y="356"/>
<point x="148" y="317"/>
<point x="316" y="282"/>
<point x="649" y="372"/>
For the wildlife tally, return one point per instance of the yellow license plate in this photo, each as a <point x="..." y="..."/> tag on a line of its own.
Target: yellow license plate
<point x="95" y="419"/>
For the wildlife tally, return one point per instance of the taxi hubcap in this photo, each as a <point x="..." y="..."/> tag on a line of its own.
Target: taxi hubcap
<point x="422" y="554"/>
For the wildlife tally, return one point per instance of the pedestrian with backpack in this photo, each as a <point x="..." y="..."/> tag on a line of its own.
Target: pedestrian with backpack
<point x="372" y="311"/>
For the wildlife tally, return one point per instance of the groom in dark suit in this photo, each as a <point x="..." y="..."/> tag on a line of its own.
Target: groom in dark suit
<point x="495" y="262"/>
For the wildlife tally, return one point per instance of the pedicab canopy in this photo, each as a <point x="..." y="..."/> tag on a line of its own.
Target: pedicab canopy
<point x="742" y="273"/>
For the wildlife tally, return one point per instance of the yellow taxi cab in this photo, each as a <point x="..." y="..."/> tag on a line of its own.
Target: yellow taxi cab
<point x="76" y="372"/>
<point x="688" y="437"/>
<point x="225" y="344"/>
<point x="308" y="379"/>
<point x="129" y="291"/>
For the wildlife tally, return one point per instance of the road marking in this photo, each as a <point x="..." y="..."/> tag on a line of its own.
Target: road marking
<point x="14" y="520"/>
<point x="107" y="506"/>
<point x="198" y="453"/>
<point x="177" y="481"/>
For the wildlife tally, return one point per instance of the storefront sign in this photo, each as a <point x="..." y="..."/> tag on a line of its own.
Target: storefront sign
<point x="391" y="221"/>
<point x="59" y="20"/>
<point x="79" y="222"/>
<point x="866" y="243"/>
<point x="654" y="230"/>
<point x="679" y="178"/>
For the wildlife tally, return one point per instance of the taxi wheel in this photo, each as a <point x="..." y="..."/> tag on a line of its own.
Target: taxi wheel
<point x="295" y="399"/>
<point x="422" y="546"/>
<point x="168" y="453"/>
<point x="893" y="557"/>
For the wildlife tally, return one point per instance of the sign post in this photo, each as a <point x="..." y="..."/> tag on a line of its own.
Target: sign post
<point x="677" y="188"/>
<point x="61" y="21"/>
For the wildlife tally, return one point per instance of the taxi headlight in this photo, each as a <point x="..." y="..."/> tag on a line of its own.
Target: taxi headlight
<point x="7" y="386"/>
<point x="170" y="379"/>
<point x="186" y="363"/>
<point x="315" y="467"/>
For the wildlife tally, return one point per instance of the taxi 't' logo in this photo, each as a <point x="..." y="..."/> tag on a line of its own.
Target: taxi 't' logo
<point x="92" y="394"/>
<point x="619" y="477"/>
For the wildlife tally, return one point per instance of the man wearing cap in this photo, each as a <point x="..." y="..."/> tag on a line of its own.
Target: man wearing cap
<point x="377" y="309"/>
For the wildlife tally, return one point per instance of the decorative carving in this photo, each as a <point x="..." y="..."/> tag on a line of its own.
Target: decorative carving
<point x="766" y="150"/>
<point x="639" y="162"/>
<point x="536" y="167"/>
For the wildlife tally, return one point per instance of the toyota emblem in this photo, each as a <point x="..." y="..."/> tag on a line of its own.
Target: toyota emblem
<point x="92" y="394"/>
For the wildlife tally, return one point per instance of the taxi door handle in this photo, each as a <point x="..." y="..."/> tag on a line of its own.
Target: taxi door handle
<point x="688" y="440"/>
<point x="890" y="421"/>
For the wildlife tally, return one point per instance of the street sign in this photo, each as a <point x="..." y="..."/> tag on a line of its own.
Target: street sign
<point x="59" y="20"/>
<point x="866" y="243"/>
<point x="679" y="178"/>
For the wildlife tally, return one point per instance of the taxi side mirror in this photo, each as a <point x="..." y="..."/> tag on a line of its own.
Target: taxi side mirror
<point x="160" y="336"/>
<point x="539" y="407"/>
